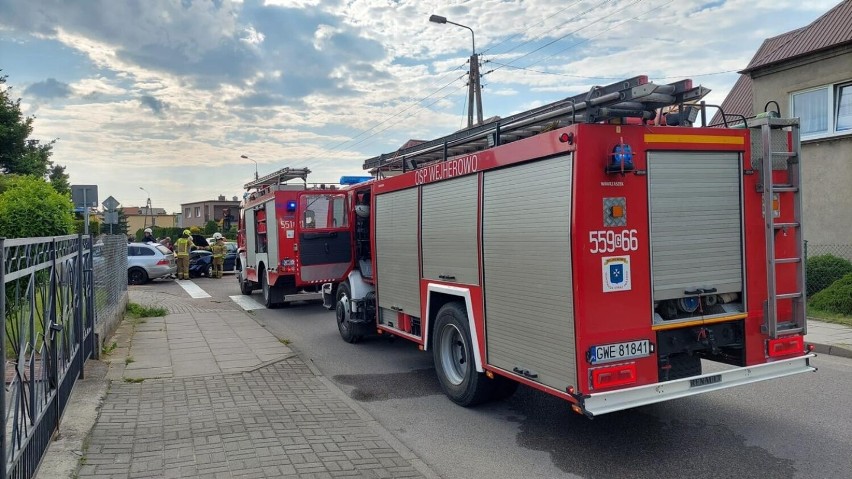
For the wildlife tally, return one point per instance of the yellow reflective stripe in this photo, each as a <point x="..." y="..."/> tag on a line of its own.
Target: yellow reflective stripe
<point x="699" y="322"/>
<point x="704" y="139"/>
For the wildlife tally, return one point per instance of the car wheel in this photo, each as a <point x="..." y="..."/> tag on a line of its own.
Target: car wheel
<point x="209" y="272"/>
<point x="137" y="276"/>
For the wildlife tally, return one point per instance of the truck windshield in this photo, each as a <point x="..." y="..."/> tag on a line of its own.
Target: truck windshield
<point x="323" y="211"/>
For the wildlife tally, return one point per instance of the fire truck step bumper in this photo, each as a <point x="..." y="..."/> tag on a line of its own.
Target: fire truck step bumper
<point x="607" y="402"/>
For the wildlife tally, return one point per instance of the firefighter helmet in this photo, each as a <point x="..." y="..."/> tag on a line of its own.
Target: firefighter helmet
<point x="217" y="236"/>
<point x="147" y="230"/>
<point x="187" y="232"/>
<point x="362" y="210"/>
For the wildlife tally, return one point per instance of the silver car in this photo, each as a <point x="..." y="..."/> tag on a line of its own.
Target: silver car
<point x="146" y="261"/>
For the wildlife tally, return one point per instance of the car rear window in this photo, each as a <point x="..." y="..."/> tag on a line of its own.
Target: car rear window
<point x="163" y="249"/>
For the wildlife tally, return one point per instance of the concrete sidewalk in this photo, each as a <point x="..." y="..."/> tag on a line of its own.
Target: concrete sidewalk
<point x="207" y="392"/>
<point x="829" y="338"/>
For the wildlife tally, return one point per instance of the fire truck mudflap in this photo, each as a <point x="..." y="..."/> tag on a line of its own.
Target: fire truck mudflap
<point x="607" y="402"/>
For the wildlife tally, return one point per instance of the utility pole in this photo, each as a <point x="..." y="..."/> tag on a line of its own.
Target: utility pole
<point x="474" y="89"/>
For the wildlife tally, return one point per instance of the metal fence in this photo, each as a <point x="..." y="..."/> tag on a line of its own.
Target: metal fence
<point x="48" y="308"/>
<point x="109" y="262"/>
<point x="820" y="278"/>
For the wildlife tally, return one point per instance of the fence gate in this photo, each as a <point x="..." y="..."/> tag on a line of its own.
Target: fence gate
<point x="48" y="307"/>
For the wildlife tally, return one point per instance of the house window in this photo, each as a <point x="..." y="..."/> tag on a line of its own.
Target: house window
<point x="198" y="212"/>
<point x="824" y="111"/>
<point x="187" y="212"/>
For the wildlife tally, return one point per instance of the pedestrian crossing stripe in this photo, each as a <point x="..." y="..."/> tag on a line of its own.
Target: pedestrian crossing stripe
<point x="246" y="302"/>
<point x="192" y="289"/>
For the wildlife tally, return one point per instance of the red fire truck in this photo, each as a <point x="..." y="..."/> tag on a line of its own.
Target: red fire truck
<point x="292" y="238"/>
<point x="591" y="248"/>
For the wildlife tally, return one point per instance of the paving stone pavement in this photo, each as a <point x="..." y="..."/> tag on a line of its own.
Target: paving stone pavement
<point x="210" y="393"/>
<point x="280" y="420"/>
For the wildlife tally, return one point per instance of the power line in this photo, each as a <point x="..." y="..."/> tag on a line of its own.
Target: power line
<point x="571" y="33"/>
<point x="609" y="78"/>
<point x="531" y="27"/>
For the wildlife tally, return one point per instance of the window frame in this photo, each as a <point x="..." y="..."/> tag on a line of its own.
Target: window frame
<point x="833" y="109"/>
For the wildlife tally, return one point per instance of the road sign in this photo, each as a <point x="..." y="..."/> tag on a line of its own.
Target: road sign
<point x="111" y="217"/>
<point x="110" y="203"/>
<point x="84" y="195"/>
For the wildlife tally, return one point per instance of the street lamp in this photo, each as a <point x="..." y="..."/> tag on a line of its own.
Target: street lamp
<point x="474" y="91"/>
<point x="148" y="210"/>
<point x="255" y="164"/>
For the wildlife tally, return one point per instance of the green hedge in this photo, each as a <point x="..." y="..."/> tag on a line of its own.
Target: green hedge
<point x="823" y="270"/>
<point x="837" y="298"/>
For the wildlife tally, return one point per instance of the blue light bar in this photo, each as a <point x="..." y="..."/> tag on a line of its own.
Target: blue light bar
<point x="354" y="180"/>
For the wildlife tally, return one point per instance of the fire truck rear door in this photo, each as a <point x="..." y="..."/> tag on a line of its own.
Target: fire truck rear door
<point x="325" y="243"/>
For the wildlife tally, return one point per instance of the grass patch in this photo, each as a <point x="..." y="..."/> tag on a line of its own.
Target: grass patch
<point x="110" y="348"/>
<point x="134" y="380"/>
<point x="827" y="317"/>
<point x="129" y="360"/>
<point x="285" y="342"/>
<point x="137" y="311"/>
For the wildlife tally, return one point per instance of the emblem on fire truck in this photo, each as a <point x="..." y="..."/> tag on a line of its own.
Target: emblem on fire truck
<point x="616" y="273"/>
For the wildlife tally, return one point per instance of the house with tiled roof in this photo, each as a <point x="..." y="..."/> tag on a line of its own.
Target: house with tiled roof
<point x="139" y="217"/>
<point x="807" y="72"/>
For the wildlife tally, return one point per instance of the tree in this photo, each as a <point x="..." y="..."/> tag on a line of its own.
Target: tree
<point x="30" y="207"/>
<point x="59" y="180"/>
<point x="20" y="154"/>
<point x="211" y="227"/>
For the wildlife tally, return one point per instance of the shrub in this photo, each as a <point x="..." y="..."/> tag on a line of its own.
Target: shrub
<point x="824" y="270"/>
<point x="30" y="207"/>
<point x="837" y="298"/>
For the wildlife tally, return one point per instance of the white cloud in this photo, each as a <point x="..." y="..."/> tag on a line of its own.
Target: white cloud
<point x="328" y="84"/>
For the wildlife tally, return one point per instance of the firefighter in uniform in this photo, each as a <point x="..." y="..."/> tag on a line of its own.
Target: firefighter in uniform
<point x="182" y="248"/>
<point x="218" y="250"/>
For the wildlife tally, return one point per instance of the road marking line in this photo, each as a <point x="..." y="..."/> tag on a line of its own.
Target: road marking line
<point x="192" y="289"/>
<point x="247" y="303"/>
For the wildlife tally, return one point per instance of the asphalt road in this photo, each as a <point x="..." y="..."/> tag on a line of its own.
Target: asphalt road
<point x="799" y="426"/>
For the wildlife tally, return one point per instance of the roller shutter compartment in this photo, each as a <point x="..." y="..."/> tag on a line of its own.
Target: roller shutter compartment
<point x="448" y="230"/>
<point x="397" y="262"/>
<point x="696" y="222"/>
<point x="526" y="240"/>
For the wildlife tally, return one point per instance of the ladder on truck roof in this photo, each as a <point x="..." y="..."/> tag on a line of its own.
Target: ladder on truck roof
<point x="279" y="177"/>
<point x="774" y="155"/>
<point x="634" y="98"/>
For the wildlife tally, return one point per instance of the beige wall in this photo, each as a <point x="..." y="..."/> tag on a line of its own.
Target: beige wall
<point x="135" y="223"/>
<point x="826" y="163"/>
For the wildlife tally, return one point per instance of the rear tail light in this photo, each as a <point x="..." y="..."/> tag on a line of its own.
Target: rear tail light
<point x="613" y="376"/>
<point x="785" y="346"/>
<point x="163" y="262"/>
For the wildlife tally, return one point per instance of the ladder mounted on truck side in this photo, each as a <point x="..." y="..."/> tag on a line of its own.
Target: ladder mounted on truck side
<point x="631" y="98"/>
<point x="278" y="178"/>
<point x="777" y="155"/>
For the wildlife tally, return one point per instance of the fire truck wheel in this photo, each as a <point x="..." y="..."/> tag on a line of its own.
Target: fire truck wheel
<point x="267" y="291"/>
<point x="453" y="356"/>
<point x="348" y="331"/>
<point x="245" y="284"/>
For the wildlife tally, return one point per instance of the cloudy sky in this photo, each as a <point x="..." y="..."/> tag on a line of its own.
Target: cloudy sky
<point x="167" y="94"/>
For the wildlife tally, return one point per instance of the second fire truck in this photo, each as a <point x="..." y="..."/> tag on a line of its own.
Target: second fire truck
<point x="292" y="237"/>
<point x="591" y="248"/>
